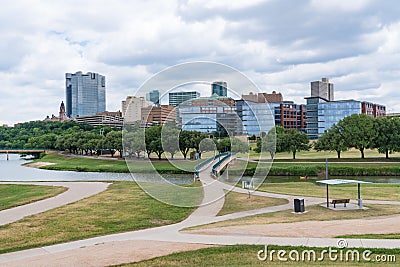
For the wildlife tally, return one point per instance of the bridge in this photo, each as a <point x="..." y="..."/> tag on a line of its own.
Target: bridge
<point x="34" y="152"/>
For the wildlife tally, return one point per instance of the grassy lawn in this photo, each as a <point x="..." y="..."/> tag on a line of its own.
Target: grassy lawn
<point x="16" y="195"/>
<point x="63" y="162"/>
<point x="374" y="236"/>
<point x="368" y="191"/>
<point x="313" y="154"/>
<point x="315" y="213"/>
<point x="235" y="202"/>
<point x="246" y="255"/>
<point x="122" y="207"/>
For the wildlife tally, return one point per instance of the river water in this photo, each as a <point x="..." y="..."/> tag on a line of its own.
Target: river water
<point x="11" y="170"/>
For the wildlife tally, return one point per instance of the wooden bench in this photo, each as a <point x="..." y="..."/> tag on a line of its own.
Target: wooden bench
<point x="340" y="201"/>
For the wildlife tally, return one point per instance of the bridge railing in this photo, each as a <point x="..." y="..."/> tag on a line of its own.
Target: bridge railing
<point x="216" y="165"/>
<point x="198" y="167"/>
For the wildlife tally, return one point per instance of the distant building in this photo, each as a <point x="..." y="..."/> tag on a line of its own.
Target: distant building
<point x="85" y="94"/>
<point x="153" y="96"/>
<point x="132" y="108"/>
<point x="220" y="88"/>
<point x="264" y="97"/>
<point x="322" y="89"/>
<point x="257" y="118"/>
<point x="257" y="111"/>
<point x="210" y="115"/>
<point x="107" y="118"/>
<point x="62" y="115"/>
<point x="157" y="115"/>
<point x="322" y="112"/>
<point x="177" y="98"/>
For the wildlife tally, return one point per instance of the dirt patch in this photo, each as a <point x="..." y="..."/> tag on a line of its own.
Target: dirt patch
<point x="39" y="164"/>
<point x="317" y="229"/>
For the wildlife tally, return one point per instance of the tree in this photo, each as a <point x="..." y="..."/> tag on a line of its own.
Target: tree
<point x="272" y="142"/>
<point x="239" y="146"/>
<point x="224" y="144"/>
<point x="331" y="140"/>
<point x="170" y="139"/>
<point x="113" y="142"/>
<point x="295" y="141"/>
<point x="358" y="131"/>
<point x="387" y="139"/>
<point x="153" y="141"/>
<point x="185" y="142"/>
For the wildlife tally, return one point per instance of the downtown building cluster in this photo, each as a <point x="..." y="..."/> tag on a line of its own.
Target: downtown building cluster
<point x="254" y="114"/>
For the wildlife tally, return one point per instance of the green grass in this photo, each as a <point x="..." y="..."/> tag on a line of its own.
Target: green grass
<point x="368" y="191"/>
<point x="12" y="195"/>
<point x="62" y="162"/>
<point x="235" y="202"/>
<point x="122" y="207"/>
<point x="374" y="236"/>
<point x="315" y="213"/>
<point x="246" y="255"/>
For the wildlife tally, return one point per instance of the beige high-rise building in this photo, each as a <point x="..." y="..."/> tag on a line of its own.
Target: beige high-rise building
<point x="132" y="106"/>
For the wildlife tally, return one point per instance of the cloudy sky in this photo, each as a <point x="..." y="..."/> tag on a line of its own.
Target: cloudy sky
<point x="281" y="45"/>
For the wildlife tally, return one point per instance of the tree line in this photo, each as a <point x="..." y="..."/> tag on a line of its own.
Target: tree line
<point x="84" y="139"/>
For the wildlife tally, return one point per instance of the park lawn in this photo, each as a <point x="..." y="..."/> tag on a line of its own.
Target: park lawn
<point x="71" y="163"/>
<point x="314" y="213"/>
<point x="368" y="191"/>
<point x="13" y="195"/>
<point x="122" y="207"/>
<point x="246" y="255"/>
<point x="374" y="236"/>
<point x="235" y="202"/>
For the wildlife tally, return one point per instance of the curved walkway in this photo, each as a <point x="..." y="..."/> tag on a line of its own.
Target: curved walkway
<point x="76" y="191"/>
<point x="107" y="250"/>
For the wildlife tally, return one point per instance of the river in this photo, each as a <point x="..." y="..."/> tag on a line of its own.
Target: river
<point x="11" y="170"/>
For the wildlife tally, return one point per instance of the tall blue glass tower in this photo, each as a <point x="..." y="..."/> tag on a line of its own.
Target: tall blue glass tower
<point x="85" y="94"/>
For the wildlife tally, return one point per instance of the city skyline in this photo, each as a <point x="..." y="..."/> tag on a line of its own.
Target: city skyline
<point x="281" y="45"/>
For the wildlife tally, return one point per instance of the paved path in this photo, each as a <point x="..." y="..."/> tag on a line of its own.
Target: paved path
<point x="100" y="251"/>
<point x="76" y="191"/>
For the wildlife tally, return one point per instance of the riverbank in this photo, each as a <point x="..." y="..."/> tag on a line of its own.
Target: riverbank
<point x="279" y="168"/>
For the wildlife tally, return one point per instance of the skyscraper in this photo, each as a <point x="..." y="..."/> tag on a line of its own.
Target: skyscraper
<point x="177" y="98"/>
<point x="219" y="88"/>
<point x="153" y="96"/>
<point x="85" y="94"/>
<point x="322" y="89"/>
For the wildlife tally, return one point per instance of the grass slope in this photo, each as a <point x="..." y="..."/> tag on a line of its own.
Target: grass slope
<point x="12" y="195"/>
<point x="235" y="202"/>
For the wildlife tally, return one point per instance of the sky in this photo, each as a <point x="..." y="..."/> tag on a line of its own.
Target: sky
<point x="280" y="45"/>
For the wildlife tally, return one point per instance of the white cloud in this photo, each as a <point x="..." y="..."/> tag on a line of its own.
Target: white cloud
<point x="281" y="45"/>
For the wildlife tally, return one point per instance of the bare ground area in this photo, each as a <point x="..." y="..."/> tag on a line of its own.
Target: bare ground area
<point x="318" y="229"/>
<point x="39" y="164"/>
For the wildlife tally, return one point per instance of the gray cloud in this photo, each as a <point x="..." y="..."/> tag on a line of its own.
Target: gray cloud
<point x="281" y="45"/>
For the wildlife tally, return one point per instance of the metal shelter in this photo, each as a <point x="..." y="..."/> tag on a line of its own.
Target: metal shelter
<point x="341" y="182"/>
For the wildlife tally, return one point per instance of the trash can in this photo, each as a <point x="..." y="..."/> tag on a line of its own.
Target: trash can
<point x="299" y="205"/>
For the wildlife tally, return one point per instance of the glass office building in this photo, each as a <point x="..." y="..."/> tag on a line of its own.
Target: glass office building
<point x="177" y="98"/>
<point x="257" y="118"/>
<point x="330" y="113"/>
<point x="153" y="96"/>
<point x="85" y="94"/>
<point x="219" y="88"/>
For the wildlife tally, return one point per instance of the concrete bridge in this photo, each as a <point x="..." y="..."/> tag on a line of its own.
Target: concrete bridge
<point x="34" y="152"/>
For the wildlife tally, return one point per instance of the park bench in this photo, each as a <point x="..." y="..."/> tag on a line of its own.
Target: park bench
<point x="340" y="201"/>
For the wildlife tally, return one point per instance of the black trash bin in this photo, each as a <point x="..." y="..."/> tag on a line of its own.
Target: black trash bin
<point x="299" y="205"/>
